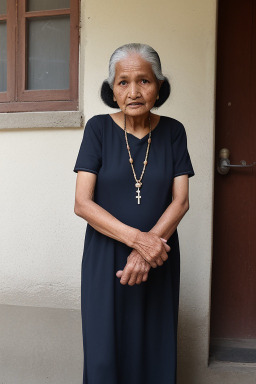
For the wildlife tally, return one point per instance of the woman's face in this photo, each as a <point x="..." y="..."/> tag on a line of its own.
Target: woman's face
<point x="135" y="86"/>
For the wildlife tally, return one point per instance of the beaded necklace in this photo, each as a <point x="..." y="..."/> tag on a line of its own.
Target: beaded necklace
<point x="138" y="183"/>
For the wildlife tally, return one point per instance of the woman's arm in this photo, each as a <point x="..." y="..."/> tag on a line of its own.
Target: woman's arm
<point x="164" y="228"/>
<point x="95" y="215"/>
<point x="173" y="214"/>
<point x="151" y="246"/>
<point x="171" y="217"/>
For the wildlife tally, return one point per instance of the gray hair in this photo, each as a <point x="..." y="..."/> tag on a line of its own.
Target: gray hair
<point x="144" y="50"/>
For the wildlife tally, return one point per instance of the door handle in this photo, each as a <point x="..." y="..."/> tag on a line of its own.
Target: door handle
<point x="224" y="165"/>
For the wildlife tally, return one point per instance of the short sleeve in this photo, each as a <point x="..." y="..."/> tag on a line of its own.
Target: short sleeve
<point x="181" y="158"/>
<point x="90" y="153"/>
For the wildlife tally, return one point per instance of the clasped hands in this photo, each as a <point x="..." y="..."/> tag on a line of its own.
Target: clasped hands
<point x="149" y="250"/>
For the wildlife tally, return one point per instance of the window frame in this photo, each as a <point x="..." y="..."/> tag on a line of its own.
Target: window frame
<point x="18" y="98"/>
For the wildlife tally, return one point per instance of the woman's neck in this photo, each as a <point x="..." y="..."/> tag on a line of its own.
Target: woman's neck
<point x="137" y="123"/>
<point x="139" y="126"/>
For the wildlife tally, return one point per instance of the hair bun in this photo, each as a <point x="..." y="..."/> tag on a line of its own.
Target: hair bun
<point x="164" y="93"/>
<point x="106" y="94"/>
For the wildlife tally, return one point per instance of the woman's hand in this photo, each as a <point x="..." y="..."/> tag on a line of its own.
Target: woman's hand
<point x="137" y="268"/>
<point x="135" y="271"/>
<point x="152" y="248"/>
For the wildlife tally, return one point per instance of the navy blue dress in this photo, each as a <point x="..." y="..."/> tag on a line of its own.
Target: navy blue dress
<point x="130" y="332"/>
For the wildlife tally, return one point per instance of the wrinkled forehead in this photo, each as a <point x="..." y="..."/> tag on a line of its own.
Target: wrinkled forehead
<point x="133" y="63"/>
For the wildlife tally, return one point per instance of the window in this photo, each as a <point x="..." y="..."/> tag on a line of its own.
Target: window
<point x="39" y="47"/>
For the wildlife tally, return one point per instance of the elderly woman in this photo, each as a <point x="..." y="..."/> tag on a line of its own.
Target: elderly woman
<point x="132" y="189"/>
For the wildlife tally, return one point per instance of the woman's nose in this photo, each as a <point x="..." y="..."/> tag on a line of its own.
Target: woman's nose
<point x="133" y="91"/>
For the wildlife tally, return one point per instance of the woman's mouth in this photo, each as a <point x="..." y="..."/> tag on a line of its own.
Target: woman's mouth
<point x="134" y="105"/>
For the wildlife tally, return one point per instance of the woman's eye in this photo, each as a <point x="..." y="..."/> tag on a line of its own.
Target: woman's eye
<point x="123" y="82"/>
<point x="144" y="81"/>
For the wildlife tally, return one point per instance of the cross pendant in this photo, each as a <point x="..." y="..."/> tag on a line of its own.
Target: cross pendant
<point x="138" y="195"/>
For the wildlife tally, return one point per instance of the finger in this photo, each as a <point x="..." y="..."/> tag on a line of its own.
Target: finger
<point x="139" y="278"/>
<point x="159" y="261"/>
<point x="153" y="264"/>
<point x="126" y="275"/>
<point x="147" y="259"/>
<point x="167" y="247"/>
<point x="119" y="273"/>
<point x="164" y="256"/>
<point x="133" y="278"/>
<point x="145" y="276"/>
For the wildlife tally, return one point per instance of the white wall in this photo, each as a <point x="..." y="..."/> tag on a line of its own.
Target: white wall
<point x="41" y="238"/>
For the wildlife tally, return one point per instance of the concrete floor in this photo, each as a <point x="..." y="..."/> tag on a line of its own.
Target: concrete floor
<point x="44" y="346"/>
<point x="40" y="345"/>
